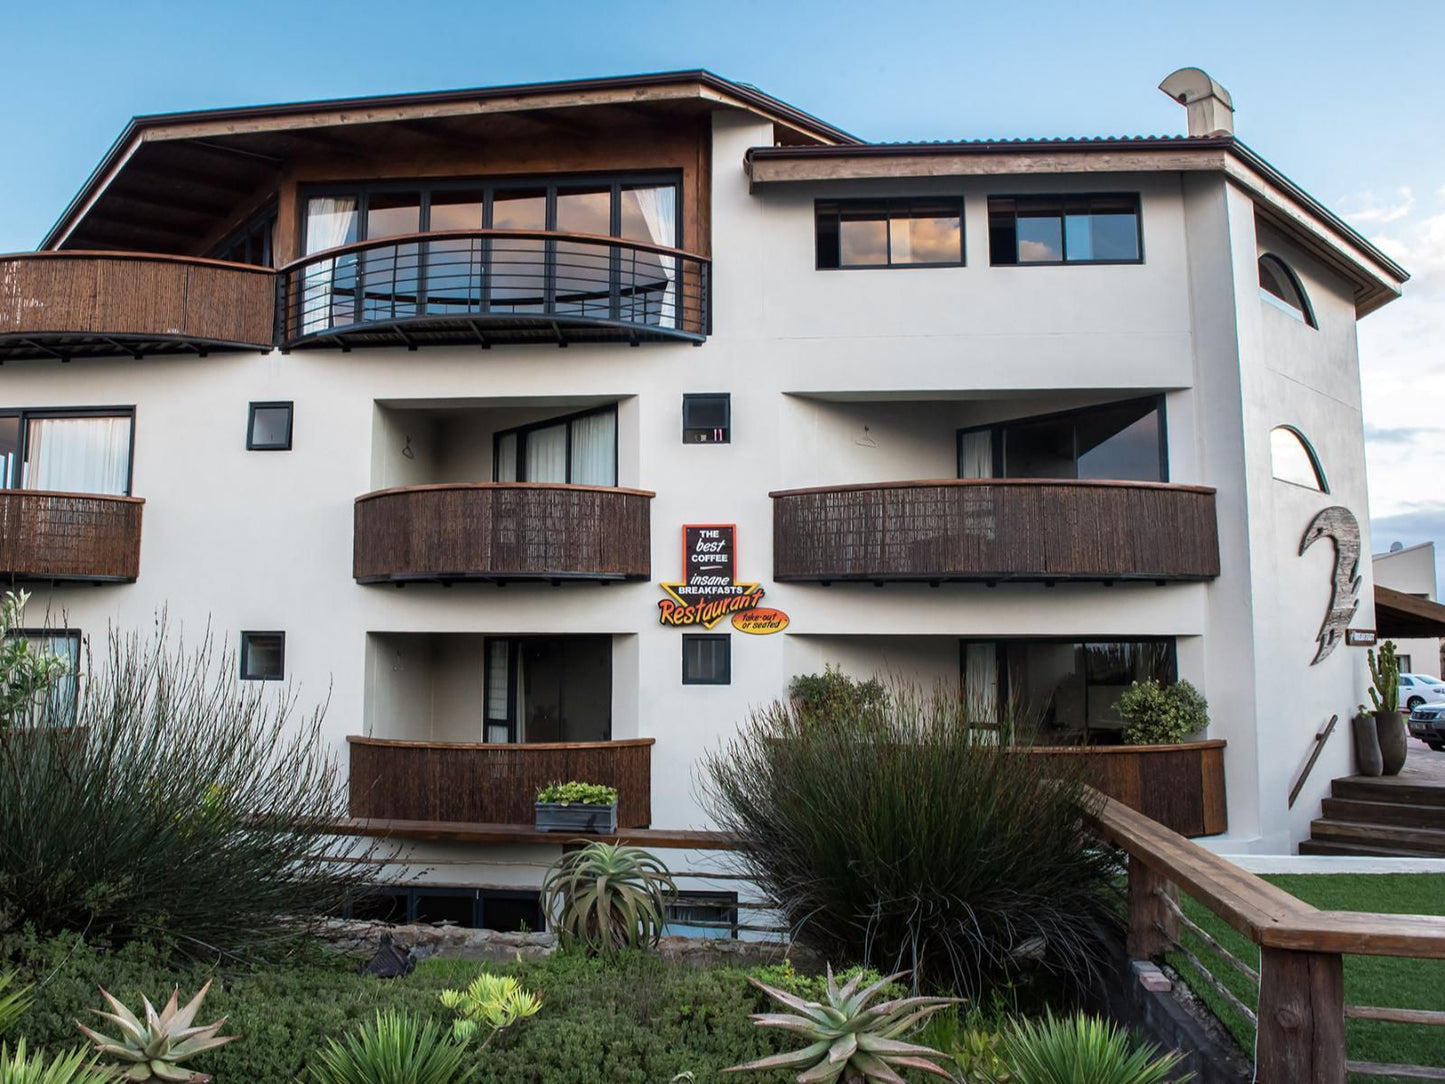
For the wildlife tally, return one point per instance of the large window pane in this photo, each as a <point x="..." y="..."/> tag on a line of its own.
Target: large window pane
<point x="78" y="455"/>
<point x="1116" y="442"/>
<point x="547" y="454"/>
<point x="9" y="450"/>
<point x="594" y="450"/>
<point x="648" y="285"/>
<point x="505" y="468"/>
<point x="1040" y="449"/>
<point x="328" y="293"/>
<point x="518" y="266"/>
<point x="1120" y="443"/>
<point x="863" y="237"/>
<point x="1040" y="234"/>
<point x="454" y="268"/>
<point x="583" y="281"/>
<point x="391" y="279"/>
<point x="926" y="233"/>
<point x="1069" y="688"/>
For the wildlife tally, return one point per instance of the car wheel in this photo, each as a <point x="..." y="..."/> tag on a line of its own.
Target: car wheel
<point x="1414" y="702"/>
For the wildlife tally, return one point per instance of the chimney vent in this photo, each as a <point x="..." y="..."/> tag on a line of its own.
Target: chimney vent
<point x="1210" y="108"/>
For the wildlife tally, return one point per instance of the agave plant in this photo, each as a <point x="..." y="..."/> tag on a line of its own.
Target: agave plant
<point x="70" y="1067"/>
<point x="1060" y="1050"/>
<point x="394" y="1047"/>
<point x="495" y="1002"/>
<point x="851" y="1041"/>
<point x="154" y="1050"/>
<point x="13" y="1002"/>
<point x="608" y="896"/>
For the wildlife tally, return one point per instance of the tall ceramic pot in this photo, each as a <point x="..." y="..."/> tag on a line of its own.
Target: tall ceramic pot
<point x="1390" y="730"/>
<point x="1367" y="746"/>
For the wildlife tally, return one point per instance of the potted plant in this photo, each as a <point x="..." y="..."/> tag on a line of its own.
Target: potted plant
<point x="1385" y="695"/>
<point x="1156" y="714"/>
<point x="577" y="807"/>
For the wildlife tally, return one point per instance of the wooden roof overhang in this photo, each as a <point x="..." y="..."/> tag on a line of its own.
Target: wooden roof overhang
<point x="177" y="182"/>
<point x="1403" y="616"/>
<point x="1375" y="277"/>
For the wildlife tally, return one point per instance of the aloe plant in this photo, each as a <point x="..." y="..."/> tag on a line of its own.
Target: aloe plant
<point x="68" y="1067"/>
<point x="608" y="896"/>
<point x="1061" y="1050"/>
<point x="394" y="1047"/>
<point x="13" y="1002"/>
<point x="851" y="1041"/>
<point x="154" y="1050"/>
<point x="495" y="1002"/>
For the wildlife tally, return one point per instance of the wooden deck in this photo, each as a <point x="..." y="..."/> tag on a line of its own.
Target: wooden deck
<point x="524" y="835"/>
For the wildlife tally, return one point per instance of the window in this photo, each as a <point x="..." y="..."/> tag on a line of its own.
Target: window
<point x="706" y="419"/>
<point x="67" y="450"/>
<point x="62" y="701"/>
<point x="706" y="660"/>
<point x="548" y="689"/>
<point x="1293" y="459"/>
<point x="579" y="448"/>
<point x="1281" y="287"/>
<point x="922" y="232"/>
<point x="1064" y="229"/>
<point x="1404" y="661"/>
<point x="252" y="242"/>
<point x="263" y="656"/>
<point x="702" y="914"/>
<point x="1115" y="442"/>
<point x="503" y="910"/>
<point x="268" y="429"/>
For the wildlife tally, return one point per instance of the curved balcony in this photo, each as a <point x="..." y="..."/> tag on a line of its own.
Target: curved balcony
<point x="993" y="530"/>
<point x="69" y="536"/>
<point x="486" y="287"/>
<point x="491" y="784"/>
<point x="502" y="531"/>
<point x="96" y="304"/>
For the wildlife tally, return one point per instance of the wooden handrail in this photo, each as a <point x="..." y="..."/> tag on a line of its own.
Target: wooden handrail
<point x="536" y="746"/>
<point x="1320" y="739"/>
<point x="438" y="486"/>
<point x="929" y="483"/>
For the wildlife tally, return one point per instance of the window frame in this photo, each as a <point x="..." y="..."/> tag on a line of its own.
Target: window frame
<point x="259" y="227"/>
<point x="727" y="675"/>
<point x="28" y="633"/>
<point x="1305" y="314"/>
<point x="521" y="431"/>
<point x="245" y="658"/>
<point x="251" y="444"/>
<point x="997" y="431"/>
<point x="889" y="204"/>
<point x="724" y="901"/>
<point x="1063" y="199"/>
<point x="25" y="414"/>
<point x="727" y="428"/>
<point x="1321" y="477"/>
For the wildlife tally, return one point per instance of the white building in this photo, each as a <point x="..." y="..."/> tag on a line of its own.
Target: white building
<point x="1128" y="366"/>
<point x="1411" y="571"/>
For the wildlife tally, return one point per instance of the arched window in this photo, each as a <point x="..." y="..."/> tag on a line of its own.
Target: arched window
<point x="1294" y="460"/>
<point x="1281" y="288"/>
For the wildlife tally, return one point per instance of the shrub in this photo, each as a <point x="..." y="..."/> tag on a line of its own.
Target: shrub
<point x="581" y="793"/>
<point x="825" y="695"/>
<point x="1062" y="1050"/>
<point x="608" y="896"/>
<point x="391" y="1049"/>
<point x="70" y="1067"/>
<point x="183" y="803"/>
<point x="908" y="838"/>
<point x="1157" y="714"/>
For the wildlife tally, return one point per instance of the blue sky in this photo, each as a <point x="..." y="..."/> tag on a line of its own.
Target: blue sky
<point x="1342" y="97"/>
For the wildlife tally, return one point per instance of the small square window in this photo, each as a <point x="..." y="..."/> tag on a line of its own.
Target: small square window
<point x="707" y="419"/>
<point x="269" y="427"/>
<point x="707" y="660"/>
<point x="263" y="656"/>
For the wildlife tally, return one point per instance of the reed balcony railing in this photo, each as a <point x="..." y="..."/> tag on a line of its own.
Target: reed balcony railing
<point x="995" y="529"/>
<point x="90" y="304"/>
<point x="494" y="286"/>
<point x="1300" y="1014"/>
<point x="69" y="536"/>
<point x="491" y="784"/>
<point x="499" y="531"/>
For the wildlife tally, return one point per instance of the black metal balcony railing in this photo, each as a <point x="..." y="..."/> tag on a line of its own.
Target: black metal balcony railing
<point x="493" y="286"/>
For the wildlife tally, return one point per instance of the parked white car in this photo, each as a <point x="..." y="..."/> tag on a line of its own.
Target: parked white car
<point x="1417" y="689"/>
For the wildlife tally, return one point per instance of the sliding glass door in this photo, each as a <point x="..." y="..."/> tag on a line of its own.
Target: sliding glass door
<point x="548" y="689"/>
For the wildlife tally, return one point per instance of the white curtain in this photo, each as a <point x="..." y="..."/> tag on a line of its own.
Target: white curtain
<point x="594" y="450"/>
<point x="659" y="211"/>
<point x="78" y="455"/>
<point x="975" y="454"/>
<point x="980" y="680"/>
<point x="547" y="454"/>
<point x="329" y="222"/>
<point x="505" y="468"/>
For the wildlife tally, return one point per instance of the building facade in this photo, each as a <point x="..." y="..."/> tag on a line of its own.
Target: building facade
<point x="590" y="414"/>
<point x="1411" y="570"/>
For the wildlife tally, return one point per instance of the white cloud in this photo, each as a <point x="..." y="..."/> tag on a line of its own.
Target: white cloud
<point x="1371" y="209"/>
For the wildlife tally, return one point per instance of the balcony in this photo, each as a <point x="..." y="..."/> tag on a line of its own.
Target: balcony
<point x="502" y="531"/>
<point x="69" y="536"/>
<point x="994" y="530"/>
<point x="488" y="287"/>
<point x="491" y="784"/>
<point x="68" y="305"/>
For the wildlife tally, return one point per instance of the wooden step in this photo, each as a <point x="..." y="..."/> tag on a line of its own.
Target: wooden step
<point x="1399" y="814"/>
<point x="1362" y="850"/>
<point x="1388" y="789"/>
<point x="1427" y="841"/>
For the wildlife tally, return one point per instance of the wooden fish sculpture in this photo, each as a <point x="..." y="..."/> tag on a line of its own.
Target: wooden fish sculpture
<point x="1340" y="526"/>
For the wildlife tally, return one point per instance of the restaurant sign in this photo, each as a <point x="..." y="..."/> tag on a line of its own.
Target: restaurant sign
<point x="710" y="589"/>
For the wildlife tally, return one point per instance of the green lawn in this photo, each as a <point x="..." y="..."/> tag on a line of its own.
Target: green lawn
<point x="1369" y="980"/>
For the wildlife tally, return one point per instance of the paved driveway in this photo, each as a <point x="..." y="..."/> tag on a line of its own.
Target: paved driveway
<point x="1423" y="765"/>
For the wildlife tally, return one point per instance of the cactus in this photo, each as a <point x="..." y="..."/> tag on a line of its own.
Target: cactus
<point x="1385" y="675"/>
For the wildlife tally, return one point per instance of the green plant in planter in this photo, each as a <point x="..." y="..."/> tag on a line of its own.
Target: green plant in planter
<point x="578" y="794"/>
<point x="493" y="1002"/>
<point x="154" y="1050"/>
<point x="1156" y="714"/>
<point x="608" y="896"/>
<point x="849" y="1040"/>
<point x="394" y="1047"/>
<point x="1385" y="677"/>
<point x="1063" y="1050"/>
<point x="70" y="1067"/>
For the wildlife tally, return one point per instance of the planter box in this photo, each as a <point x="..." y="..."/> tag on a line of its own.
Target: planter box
<point x="575" y="817"/>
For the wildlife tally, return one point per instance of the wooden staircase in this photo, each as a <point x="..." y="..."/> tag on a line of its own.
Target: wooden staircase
<point x="1380" y="816"/>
